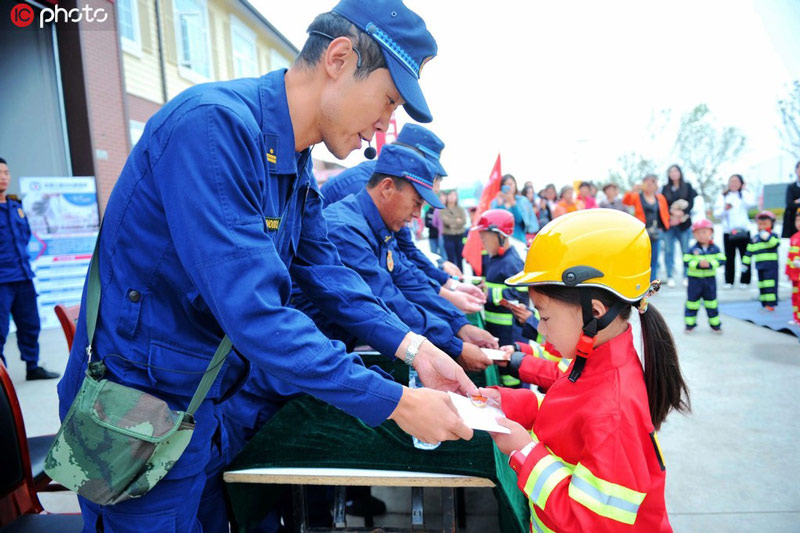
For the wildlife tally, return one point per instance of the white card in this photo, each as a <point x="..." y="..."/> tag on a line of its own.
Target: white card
<point x="484" y="418"/>
<point x="496" y="355"/>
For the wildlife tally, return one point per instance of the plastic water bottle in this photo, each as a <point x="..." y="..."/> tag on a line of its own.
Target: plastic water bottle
<point x="415" y="383"/>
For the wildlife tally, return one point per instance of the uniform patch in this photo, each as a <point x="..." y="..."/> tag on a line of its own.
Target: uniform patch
<point x="20" y="212"/>
<point x="389" y="260"/>
<point x="272" y="223"/>
<point x="271" y="157"/>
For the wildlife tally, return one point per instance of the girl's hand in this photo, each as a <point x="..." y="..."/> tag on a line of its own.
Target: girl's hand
<point x="516" y="440"/>
<point x="493" y="395"/>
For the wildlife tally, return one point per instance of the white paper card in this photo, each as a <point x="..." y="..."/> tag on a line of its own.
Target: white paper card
<point x="496" y="355"/>
<point x="484" y="418"/>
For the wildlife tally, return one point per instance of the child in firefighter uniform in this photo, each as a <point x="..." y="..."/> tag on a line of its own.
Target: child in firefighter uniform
<point x="500" y="261"/>
<point x="702" y="261"/>
<point x="793" y="270"/>
<point x="763" y="251"/>
<point x="588" y="457"/>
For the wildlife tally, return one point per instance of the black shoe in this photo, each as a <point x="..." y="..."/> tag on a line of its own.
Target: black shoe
<point x="40" y="373"/>
<point x="358" y="506"/>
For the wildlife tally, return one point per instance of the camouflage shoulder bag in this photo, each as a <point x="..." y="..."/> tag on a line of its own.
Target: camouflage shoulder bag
<point x="117" y="442"/>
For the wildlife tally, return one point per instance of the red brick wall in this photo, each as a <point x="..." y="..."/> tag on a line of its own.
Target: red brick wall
<point x="108" y="121"/>
<point x="141" y="109"/>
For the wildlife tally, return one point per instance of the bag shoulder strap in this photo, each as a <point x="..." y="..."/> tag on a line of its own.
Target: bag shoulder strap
<point x="92" y="309"/>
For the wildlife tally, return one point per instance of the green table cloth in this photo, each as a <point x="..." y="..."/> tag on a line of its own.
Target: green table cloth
<point x="308" y="433"/>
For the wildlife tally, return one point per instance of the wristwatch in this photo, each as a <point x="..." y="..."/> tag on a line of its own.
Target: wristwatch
<point x="517" y="457"/>
<point x="413" y="349"/>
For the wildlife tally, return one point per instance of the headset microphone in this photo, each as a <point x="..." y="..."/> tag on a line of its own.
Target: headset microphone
<point x="370" y="152"/>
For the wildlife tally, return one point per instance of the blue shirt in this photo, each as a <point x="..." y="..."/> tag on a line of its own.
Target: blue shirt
<point x="366" y="245"/>
<point x="213" y="216"/>
<point x="15" y="232"/>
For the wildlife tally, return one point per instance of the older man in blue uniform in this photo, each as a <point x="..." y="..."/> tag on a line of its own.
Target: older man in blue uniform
<point x="17" y="294"/>
<point x="362" y="227"/>
<point x="354" y="179"/>
<point x="216" y="212"/>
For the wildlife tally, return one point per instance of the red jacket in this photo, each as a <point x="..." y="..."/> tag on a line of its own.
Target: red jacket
<point x="597" y="466"/>
<point x="794" y="253"/>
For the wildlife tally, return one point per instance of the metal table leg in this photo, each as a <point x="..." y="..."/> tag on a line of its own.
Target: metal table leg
<point x="417" y="504"/>
<point x="448" y="510"/>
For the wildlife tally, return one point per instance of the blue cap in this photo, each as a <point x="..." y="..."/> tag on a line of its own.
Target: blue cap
<point x="402" y="162"/>
<point x="405" y="41"/>
<point x="425" y="141"/>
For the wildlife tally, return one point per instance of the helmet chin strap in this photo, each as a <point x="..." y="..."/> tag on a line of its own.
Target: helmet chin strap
<point x="591" y="325"/>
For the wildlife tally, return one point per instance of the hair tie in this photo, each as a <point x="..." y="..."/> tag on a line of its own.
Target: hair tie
<point x="654" y="287"/>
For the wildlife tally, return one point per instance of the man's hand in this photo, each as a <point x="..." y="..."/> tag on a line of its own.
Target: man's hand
<point x="437" y="370"/>
<point x="470" y="289"/>
<point x="704" y="264"/>
<point x="477" y="336"/>
<point x="473" y="359"/>
<point x="451" y="269"/>
<point x="466" y="303"/>
<point x="516" y="440"/>
<point x="430" y="416"/>
<point x="521" y="313"/>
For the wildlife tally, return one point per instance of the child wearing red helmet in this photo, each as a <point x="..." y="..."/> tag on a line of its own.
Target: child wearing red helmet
<point x="763" y="251"/>
<point x="500" y="261"/>
<point x="702" y="261"/>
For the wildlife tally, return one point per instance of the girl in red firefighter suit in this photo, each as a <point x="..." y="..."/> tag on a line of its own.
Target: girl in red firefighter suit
<point x="588" y="457"/>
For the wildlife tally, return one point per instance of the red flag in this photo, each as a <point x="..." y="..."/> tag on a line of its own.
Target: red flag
<point x="473" y="247"/>
<point x="387" y="137"/>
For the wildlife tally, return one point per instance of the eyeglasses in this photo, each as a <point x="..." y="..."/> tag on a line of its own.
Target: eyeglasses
<point x="358" y="63"/>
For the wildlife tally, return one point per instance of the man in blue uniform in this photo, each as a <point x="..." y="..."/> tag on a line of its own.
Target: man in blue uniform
<point x="17" y="294"/>
<point x="362" y="227"/>
<point x="216" y="212"/>
<point x="355" y="179"/>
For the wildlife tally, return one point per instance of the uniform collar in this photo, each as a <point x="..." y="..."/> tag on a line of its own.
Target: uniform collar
<point x="276" y="123"/>
<point x="373" y="217"/>
<point x="614" y="353"/>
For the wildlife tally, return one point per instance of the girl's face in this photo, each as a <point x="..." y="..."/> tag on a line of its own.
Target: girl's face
<point x="452" y="198"/>
<point x="512" y="188"/>
<point x="559" y="322"/>
<point x="674" y="174"/>
<point x="734" y="184"/>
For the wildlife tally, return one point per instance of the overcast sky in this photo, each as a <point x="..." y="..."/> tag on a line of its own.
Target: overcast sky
<point x="561" y="89"/>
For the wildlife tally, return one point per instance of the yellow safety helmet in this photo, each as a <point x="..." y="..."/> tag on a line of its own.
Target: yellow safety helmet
<point x="602" y="248"/>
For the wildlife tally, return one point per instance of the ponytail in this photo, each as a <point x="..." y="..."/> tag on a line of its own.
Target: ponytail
<point x="666" y="389"/>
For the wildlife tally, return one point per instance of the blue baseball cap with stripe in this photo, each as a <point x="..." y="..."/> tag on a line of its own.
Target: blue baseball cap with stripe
<point x="425" y="141"/>
<point x="404" y="40"/>
<point x="402" y="162"/>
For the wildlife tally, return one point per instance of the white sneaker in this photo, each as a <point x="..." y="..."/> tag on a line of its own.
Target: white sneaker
<point x="685" y="282"/>
<point x="670" y="282"/>
<point x="728" y="286"/>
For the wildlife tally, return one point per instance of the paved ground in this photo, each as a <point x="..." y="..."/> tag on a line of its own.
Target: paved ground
<point x="732" y="463"/>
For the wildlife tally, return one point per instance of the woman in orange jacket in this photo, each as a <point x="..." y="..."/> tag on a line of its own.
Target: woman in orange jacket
<point x="650" y="207"/>
<point x="588" y="457"/>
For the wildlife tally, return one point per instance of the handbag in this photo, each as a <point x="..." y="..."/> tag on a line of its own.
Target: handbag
<point x="739" y="235"/>
<point x="117" y="442"/>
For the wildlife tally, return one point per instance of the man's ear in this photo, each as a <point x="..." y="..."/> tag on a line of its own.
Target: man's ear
<point x="337" y="57"/>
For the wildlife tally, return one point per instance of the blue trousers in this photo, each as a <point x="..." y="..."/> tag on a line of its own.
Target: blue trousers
<point x="18" y="299"/>
<point x="453" y="246"/>
<point x="669" y="238"/>
<point x="768" y="284"/>
<point x="704" y="289"/>
<point x="655" y="246"/>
